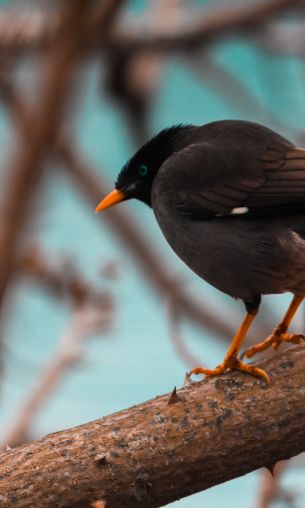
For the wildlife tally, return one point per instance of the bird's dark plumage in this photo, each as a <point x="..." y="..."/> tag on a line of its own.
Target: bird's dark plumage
<point x="229" y="197"/>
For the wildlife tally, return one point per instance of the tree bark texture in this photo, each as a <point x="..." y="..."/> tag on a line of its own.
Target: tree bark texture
<point x="166" y="448"/>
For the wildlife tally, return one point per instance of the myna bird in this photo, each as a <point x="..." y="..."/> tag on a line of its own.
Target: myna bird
<point x="229" y="197"/>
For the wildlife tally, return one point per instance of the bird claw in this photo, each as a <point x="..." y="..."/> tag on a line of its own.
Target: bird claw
<point x="274" y="340"/>
<point x="232" y="363"/>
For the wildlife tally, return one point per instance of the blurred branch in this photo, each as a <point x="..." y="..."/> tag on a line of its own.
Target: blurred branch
<point x="37" y="30"/>
<point x="132" y="79"/>
<point x="15" y="104"/>
<point x="65" y="281"/>
<point x="63" y="57"/>
<point x="270" y="489"/>
<point x="216" y="24"/>
<point x="43" y="121"/>
<point x="68" y="354"/>
<point x="125" y="225"/>
<point x="166" y="448"/>
<point x="103" y="16"/>
<point x="284" y="38"/>
<point x="44" y="126"/>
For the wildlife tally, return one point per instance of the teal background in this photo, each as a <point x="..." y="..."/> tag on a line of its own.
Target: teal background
<point x="136" y="360"/>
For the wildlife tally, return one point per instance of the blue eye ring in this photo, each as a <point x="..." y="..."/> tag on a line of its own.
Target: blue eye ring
<point x="143" y="170"/>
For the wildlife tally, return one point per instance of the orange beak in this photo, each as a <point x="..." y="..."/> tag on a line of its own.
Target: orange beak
<point x="111" y="199"/>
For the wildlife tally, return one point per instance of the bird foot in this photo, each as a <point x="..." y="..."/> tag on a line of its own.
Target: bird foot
<point x="232" y="363"/>
<point x="274" y="340"/>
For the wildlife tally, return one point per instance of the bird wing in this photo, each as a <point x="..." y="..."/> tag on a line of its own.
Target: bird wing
<point x="207" y="183"/>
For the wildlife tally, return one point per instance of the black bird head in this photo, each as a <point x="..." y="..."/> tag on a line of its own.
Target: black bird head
<point x="136" y="177"/>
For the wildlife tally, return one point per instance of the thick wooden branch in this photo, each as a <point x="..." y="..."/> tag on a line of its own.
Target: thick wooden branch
<point x="167" y="448"/>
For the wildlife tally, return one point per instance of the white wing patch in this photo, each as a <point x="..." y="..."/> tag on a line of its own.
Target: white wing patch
<point x="235" y="211"/>
<point x="239" y="211"/>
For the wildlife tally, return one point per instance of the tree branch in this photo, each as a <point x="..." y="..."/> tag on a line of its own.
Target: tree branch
<point x="214" y="24"/>
<point x="166" y="448"/>
<point x="46" y="116"/>
<point x="36" y="30"/>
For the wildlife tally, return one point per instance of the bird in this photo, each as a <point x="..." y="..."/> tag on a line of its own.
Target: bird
<point x="229" y="197"/>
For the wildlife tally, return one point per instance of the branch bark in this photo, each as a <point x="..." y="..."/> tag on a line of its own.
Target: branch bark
<point x="167" y="448"/>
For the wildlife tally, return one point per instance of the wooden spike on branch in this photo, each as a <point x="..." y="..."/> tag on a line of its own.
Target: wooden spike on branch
<point x="155" y="453"/>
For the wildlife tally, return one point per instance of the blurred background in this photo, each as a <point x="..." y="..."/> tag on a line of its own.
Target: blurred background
<point x="97" y="313"/>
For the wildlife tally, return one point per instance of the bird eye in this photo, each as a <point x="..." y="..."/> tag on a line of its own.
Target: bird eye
<point x="143" y="170"/>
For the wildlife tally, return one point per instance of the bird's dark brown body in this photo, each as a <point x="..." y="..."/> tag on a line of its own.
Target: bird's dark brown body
<point x="242" y="254"/>
<point x="243" y="260"/>
<point x="229" y="197"/>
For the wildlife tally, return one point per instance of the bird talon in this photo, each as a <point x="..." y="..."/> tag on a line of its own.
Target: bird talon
<point x="274" y="341"/>
<point x="231" y="363"/>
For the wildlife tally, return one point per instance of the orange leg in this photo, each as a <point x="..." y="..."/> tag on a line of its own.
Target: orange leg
<point x="231" y="361"/>
<point x="279" y="333"/>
